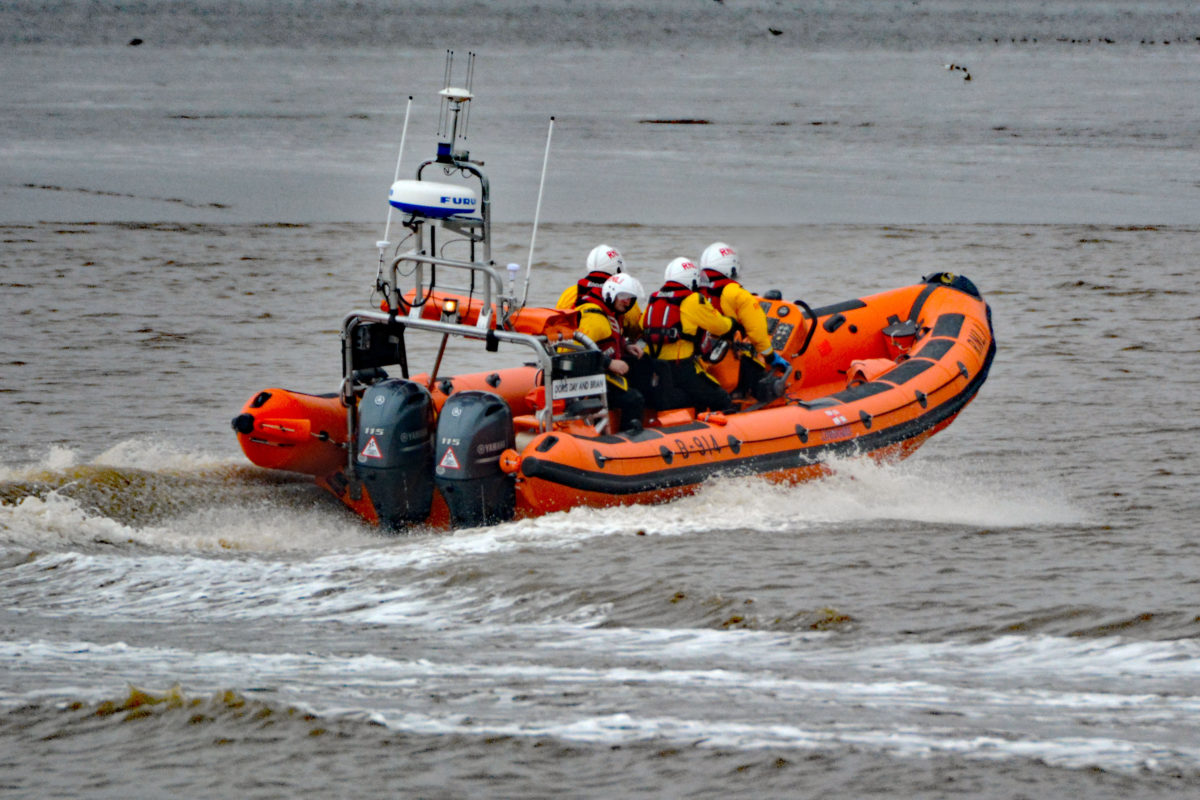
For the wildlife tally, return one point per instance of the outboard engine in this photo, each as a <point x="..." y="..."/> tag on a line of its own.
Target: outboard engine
<point x="473" y="429"/>
<point x="395" y="451"/>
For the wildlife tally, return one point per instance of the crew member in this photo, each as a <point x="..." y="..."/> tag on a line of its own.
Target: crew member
<point x="676" y="317"/>
<point x="602" y="263"/>
<point x="719" y="264"/>
<point x="628" y="373"/>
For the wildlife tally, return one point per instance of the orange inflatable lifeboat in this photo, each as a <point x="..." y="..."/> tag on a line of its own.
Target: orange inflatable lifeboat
<point x="872" y="376"/>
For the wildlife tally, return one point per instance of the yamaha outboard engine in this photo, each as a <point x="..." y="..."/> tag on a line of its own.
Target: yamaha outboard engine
<point x="395" y="451"/>
<point x="473" y="429"/>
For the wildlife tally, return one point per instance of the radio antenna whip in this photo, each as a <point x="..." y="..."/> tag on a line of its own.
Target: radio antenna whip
<point x="383" y="243"/>
<point x="537" y="212"/>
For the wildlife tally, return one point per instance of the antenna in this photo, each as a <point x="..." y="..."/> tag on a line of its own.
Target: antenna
<point x="455" y="110"/>
<point x="537" y="212"/>
<point x="383" y="244"/>
<point x="442" y="112"/>
<point x="470" y="90"/>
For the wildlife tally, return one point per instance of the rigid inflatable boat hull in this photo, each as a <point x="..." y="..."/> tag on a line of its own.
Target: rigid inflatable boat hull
<point x="932" y="361"/>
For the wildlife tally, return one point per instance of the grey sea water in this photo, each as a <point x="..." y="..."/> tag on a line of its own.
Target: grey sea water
<point x="1010" y="613"/>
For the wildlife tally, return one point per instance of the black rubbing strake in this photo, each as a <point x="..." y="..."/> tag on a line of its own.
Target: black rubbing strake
<point x="906" y="371"/>
<point x="949" y="325"/>
<point x="934" y="349"/>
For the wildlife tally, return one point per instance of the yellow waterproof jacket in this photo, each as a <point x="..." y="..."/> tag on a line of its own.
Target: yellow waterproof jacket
<point x="734" y="301"/>
<point x="596" y="323"/>
<point x="631" y="322"/>
<point x="695" y="314"/>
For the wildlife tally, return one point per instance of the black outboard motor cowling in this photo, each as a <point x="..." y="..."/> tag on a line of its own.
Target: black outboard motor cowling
<point x="473" y="429"/>
<point x="395" y="451"/>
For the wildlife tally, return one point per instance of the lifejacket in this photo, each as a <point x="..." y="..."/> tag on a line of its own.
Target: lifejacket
<point x="716" y="284"/>
<point x="664" y="318"/>
<point x="614" y="345"/>
<point x="588" y="288"/>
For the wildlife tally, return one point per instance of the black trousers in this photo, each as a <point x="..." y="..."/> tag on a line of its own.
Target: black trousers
<point x="631" y="402"/>
<point x="681" y="386"/>
<point x="750" y="372"/>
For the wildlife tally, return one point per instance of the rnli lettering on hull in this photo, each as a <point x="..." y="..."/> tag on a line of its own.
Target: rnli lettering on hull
<point x="978" y="339"/>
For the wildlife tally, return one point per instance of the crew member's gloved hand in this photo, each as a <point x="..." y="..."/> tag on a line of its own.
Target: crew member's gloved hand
<point x="779" y="361"/>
